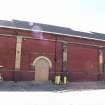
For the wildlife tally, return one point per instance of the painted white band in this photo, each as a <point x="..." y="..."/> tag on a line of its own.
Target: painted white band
<point x="18" y="53"/>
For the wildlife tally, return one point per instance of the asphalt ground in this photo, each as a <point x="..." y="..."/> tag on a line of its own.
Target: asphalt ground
<point x="33" y="86"/>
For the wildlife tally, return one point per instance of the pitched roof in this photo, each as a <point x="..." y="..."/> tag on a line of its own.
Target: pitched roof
<point x="17" y="24"/>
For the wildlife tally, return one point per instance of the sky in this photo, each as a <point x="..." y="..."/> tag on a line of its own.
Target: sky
<point x="83" y="15"/>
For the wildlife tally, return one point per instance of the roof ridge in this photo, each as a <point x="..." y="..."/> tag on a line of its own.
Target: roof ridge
<point x="24" y="25"/>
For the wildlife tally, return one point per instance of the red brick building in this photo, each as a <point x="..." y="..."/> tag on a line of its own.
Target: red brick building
<point x="33" y="51"/>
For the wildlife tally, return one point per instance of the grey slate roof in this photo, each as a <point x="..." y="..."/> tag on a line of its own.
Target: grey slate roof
<point x="49" y="28"/>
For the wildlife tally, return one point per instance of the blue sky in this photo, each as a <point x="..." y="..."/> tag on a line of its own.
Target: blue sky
<point x="84" y="15"/>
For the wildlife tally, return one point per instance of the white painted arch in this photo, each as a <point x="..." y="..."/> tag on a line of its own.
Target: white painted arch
<point x="43" y="57"/>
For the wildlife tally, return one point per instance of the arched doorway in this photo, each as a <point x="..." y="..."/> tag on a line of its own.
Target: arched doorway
<point x="42" y="66"/>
